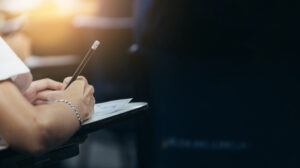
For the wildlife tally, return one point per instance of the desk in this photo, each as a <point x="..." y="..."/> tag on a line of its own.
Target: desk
<point x="103" y="22"/>
<point x="34" y="62"/>
<point x="11" y="158"/>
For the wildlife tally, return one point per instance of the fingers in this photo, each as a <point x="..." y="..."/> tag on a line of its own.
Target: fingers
<point x="91" y="90"/>
<point x="90" y="110"/>
<point x="93" y="103"/>
<point x="46" y="95"/>
<point x="44" y="84"/>
<point x="82" y="78"/>
<point x="79" y="92"/>
<point x="79" y="79"/>
<point x="40" y="102"/>
<point x="66" y="80"/>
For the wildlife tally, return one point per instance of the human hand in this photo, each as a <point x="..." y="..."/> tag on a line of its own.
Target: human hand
<point x="38" y="86"/>
<point x="79" y="93"/>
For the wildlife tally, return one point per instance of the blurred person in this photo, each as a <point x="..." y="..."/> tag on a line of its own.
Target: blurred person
<point x="11" y="30"/>
<point x="31" y="120"/>
<point x="20" y="43"/>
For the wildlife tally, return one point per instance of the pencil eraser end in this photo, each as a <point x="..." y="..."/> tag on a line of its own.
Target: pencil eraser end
<point x="96" y="45"/>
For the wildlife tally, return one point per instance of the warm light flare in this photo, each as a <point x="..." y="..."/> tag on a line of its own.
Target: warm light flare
<point x="49" y="22"/>
<point x="17" y="6"/>
<point x="50" y="8"/>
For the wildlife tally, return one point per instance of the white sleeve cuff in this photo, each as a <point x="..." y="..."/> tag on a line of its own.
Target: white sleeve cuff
<point x="11" y="67"/>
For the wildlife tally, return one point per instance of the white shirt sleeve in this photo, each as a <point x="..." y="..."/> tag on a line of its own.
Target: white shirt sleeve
<point x="11" y="67"/>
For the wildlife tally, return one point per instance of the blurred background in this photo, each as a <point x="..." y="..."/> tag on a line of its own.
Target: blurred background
<point x="221" y="77"/>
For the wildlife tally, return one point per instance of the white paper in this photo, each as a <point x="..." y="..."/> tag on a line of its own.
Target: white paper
<point x="3" y="145"/>
<point x="109" y="109"/>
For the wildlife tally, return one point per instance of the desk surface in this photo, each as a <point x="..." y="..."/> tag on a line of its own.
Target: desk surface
<point x="10" y="157"/>
<point x="70" y="148"/>
<point x="51" y="61"/>
<point x="103" y="22"/>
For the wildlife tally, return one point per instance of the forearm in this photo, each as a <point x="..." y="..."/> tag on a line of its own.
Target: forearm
<point x="33" y="128"/>
<point x="59" y="121"/>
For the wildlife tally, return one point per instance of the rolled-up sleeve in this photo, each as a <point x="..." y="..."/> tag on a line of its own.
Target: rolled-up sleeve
<point x="11" y="67"/>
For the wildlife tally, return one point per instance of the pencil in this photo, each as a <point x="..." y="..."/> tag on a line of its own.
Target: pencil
<point x="82" y="64"/>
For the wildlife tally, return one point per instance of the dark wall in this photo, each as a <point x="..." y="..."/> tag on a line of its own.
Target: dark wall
<point x="221" y="26"/>
<point x="224" y="84"/>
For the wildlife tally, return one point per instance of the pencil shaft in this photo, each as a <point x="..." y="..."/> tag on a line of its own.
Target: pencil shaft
<point x="81" y="66"/>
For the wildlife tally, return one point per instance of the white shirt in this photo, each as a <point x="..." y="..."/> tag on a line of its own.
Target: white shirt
<point x="11" y="67"/>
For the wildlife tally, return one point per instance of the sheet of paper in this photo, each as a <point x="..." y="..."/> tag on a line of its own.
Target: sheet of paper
<point x="102" y="109"/>
<point x="110" y="107"/>
<point x="99" y="114"/>
<point x="3" y="145"/>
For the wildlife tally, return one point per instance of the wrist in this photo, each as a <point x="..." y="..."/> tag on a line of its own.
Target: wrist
<point x="73" y="107"/>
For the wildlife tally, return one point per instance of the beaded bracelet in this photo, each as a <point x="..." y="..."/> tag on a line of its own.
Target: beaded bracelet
<point x="73" y="107"/>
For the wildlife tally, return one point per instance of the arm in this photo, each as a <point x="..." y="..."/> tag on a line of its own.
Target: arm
<point x="35" y="129"/>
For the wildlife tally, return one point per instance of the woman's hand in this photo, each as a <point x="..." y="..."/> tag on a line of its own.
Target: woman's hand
<point x="79" y="93"/>
<point x="35" y="129"/>
<point x="39" y="86"/>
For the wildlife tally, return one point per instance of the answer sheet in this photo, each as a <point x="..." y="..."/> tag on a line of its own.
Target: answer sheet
<point x="103" y="109"/>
